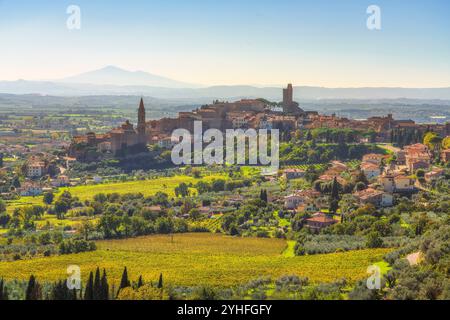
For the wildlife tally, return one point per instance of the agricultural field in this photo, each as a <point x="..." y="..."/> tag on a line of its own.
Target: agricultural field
<point x="203" y="258"/>
<point x="318" y="166"/>
<point x="146" y="187"/>
<point x="322" y="166"/>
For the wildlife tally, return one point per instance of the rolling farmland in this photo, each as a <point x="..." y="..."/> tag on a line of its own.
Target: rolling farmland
<point x="193" y="259"/>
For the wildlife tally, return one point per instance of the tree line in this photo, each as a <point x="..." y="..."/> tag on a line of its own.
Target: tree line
<point x="97" y="287"/>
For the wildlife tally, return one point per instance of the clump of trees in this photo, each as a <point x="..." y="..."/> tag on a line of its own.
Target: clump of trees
<point x="76" y="246"/>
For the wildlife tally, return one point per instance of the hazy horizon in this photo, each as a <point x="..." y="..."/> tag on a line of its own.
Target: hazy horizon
<point x="257" y="43"/>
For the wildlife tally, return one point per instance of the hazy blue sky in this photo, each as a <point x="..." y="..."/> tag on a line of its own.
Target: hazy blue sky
<point x="212" y="42"/>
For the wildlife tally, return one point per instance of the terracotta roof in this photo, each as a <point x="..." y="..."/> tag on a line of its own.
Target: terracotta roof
<point x="321" y="218"/>
<point x="368" y="193"/>
<point x="369" y="165"/>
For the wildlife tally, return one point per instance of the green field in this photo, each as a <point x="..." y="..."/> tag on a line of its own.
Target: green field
<point x="146" y="187"/>
<point x="194" y="259"/>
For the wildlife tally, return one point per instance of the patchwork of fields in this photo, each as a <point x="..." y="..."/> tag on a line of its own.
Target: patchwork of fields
<point x="193" y="259"/>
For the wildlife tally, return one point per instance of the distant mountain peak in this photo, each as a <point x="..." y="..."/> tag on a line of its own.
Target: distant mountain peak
<point x="113" y="75"/>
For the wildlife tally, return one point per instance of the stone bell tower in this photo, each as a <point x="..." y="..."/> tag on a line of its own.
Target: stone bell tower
<point x="141" y="126"/>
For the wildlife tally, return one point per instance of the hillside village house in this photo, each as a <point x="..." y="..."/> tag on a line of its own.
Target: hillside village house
<point x="30" y="189"/>
<point x="319" y="221"/>
<point x="330" y="178"/>
<point x="376" y="197"/>
<point x="35" y="169"/>
<point x="61" y="181"/>
<point x="299" y="198"/>
<point x="371" y="170"/>
<point x="397" y="182"/>
<point x="292" y="201"/>
<point x="373" y="158"/>
<point x="417" y="157"/>
<point x="290" y="174"/>
<point x="338" y="166"/>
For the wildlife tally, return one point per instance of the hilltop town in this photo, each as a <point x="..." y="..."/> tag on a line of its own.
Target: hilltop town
<point x="286" y="116"/>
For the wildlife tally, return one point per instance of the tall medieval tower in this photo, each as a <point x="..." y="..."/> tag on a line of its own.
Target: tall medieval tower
<point x="141" y="126"/>
<point x="288" y="94"/>
<point x="289" y="105"/>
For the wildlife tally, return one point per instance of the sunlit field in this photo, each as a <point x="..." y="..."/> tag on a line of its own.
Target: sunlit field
<point x="194" y="259"/>
<point x="146" y="187"/>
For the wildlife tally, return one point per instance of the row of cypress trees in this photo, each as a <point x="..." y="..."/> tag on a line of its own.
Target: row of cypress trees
<point x="97" y="288"/>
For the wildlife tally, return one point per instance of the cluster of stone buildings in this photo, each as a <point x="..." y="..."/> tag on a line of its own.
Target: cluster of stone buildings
<point x="245" y="113"/>
<point x="242" y="114"/>
<point x="115" y="140"/>
<point x="400" y="175"/>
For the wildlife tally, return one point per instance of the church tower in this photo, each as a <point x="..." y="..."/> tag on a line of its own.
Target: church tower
<point x="141" y="126"/>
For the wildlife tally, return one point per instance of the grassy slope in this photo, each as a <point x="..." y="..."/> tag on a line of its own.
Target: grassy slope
<point x="193" y="259"/>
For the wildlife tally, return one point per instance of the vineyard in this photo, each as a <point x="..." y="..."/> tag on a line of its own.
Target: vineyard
<point x="322" y="166"/>
<point x="194" y="259"/>
<point x="212" y="224"/>
<point x="318" y="166"/>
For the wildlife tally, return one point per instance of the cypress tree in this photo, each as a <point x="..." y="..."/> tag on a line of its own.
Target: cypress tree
<point x="33" y="291"/>
<point x="140" y="282"/>
<point x="98" y="290"/>
<point x="263" y="195"/>
<point x="334" y="201"/>
<point x="124" y="282"/>
<point x="56" y="291"/>
<point x="60" y="291"/>
<point x="3" y="291"/>
<point x="89" y="291"/>
<point x="335" y="190"/>
<point x="160" y="282"/>
<point x="30" y="286"/>
<point x="105" y="286"/>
